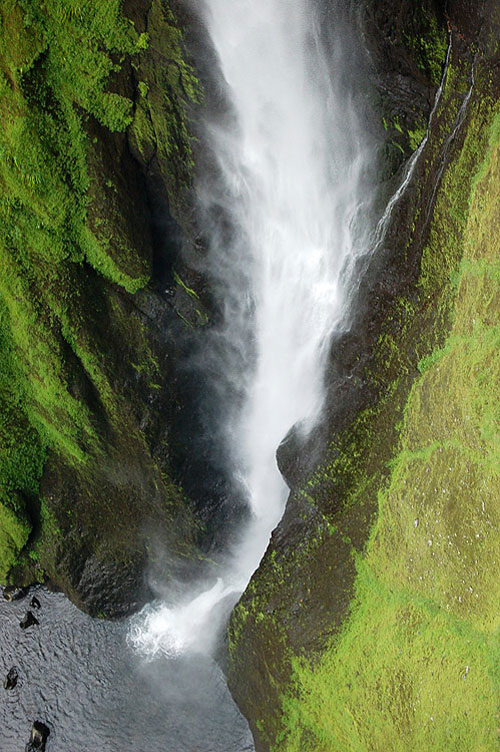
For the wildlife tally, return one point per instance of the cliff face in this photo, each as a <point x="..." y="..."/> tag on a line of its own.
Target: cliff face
<point x="96" y="308"/>
<point x="370" y="623"/>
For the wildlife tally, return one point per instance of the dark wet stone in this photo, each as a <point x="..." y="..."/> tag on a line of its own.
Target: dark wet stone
<point x="35" y="603"/>
<point x="29" y="620"/>
<point x="13" y="593"/>
<point x="11" y="679"/>
<point x="39" y="734"/>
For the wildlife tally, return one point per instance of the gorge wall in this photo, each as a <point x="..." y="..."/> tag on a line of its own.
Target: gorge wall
<point x="96" y="307"/>
<point x="370" y="623"/>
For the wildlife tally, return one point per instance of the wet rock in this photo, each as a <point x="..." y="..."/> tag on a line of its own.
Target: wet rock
<point x="35" y="603"/>
<point x="11" y="679"/>
<point x="38" y="739"/>
<point x="13" y="593"/>
<point x="29" y="620"/>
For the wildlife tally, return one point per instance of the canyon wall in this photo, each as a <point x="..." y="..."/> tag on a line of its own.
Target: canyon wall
<point x="370" y="623"/>
<point x="96" y="306"/>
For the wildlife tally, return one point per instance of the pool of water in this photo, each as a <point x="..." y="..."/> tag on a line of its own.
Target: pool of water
<point x="80" y="677"/>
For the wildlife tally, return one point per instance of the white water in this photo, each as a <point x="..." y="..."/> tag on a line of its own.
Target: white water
<point x="292" y="165"/>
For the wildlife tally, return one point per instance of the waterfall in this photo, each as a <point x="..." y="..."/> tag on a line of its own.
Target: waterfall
<point x="292" y="165"/>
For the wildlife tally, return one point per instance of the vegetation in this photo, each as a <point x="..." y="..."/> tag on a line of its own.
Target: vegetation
<point x="429" y="45"/>
<point x="70" y="240"/>
<point x="416" y="665"/>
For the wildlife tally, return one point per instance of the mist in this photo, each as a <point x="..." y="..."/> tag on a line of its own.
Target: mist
<point x="285" y="205"/>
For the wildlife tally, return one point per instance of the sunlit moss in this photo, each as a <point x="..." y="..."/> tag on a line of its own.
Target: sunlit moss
<point x="416" y="665"/>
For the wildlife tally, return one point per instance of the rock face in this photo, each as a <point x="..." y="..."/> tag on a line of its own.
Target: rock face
<point x="327" y="643"/>
<point x="96" y="307"/>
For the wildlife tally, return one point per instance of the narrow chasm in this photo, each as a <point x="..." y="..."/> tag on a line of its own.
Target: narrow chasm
<point x="249" y="337"/>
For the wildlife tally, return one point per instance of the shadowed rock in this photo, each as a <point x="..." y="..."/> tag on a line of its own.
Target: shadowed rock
<point x="13" y="593"/>
<point x="10" y="681"/>
<point x="29" y="620"/>
<point x="38" y="739"/>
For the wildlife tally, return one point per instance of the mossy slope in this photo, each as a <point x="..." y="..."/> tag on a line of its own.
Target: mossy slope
<point x="355" y="631"/>
<point x="416" y="667"/>
<point x="82" y="366"/>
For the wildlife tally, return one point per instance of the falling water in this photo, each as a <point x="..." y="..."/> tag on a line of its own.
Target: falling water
<point x="292" y="166"/>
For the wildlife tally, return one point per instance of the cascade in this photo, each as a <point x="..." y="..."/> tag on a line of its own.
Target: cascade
<point x="293" y="183"/>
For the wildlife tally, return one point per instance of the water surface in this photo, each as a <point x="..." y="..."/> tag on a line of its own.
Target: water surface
<point x="79" y="676"/>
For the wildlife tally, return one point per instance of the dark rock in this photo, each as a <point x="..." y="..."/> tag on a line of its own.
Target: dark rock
<point x="13" y="593"/>
<point x="38" y="739"/>
<point x="35" y="603"/>
<point x="11" y="679"/>
<point x="29" y="620"/>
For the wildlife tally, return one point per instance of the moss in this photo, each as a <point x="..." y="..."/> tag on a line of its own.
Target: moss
<point x="186" y="289"/>
<point x="403" y="676"/>
<point x="74" y="237"/>
<point x="416" y="663"/>
<point x="416" y="137"/>
<point x="167" y="86"/>
<point x="429" y="46"/>
<point x="99" y="256"/>
<point x="15" y="529"/>
<point x="56" y="59"/>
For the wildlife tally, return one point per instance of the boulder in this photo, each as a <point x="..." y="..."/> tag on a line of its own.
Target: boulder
<point x="29" y="620"/>
<point x="13" y="593"/>
<point x="10" y="681"/>
<point x="38" y="739"/>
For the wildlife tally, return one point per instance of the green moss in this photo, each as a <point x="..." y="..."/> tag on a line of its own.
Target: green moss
<point x="186" y="289"/>
<point x="404" y="676"/>
<point x="143" y="88"/>
<point x="56" y="59"/>
<point x="416" y="666"/>
<point x="429" y="45"/>
<point x="416" y="137"/>
<point x="65" y="230"/>
<point x="100" y="256"/>
<point x="15" y="529"/>
<point x="168" y="83"/>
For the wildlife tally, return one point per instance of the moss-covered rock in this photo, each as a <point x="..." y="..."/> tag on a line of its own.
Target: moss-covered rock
<point x="416" y="665"/>
<point x="88" y="346"/>
<point x="360" y="629"/>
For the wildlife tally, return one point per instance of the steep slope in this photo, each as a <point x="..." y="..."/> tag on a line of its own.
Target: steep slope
<point x="370" y="623"/>
<point x="95" y="306"/>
